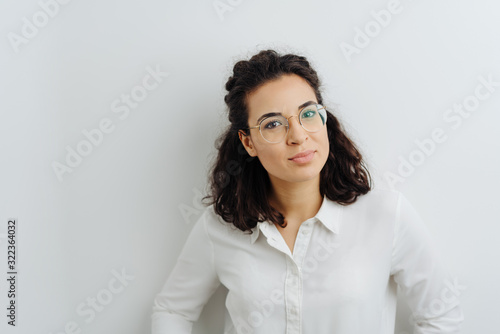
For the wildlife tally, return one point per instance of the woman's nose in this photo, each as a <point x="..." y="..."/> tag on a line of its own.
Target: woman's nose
<point x="296" y="133"/>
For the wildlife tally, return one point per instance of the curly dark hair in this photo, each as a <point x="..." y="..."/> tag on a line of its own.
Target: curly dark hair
<point x="239" y="184"/>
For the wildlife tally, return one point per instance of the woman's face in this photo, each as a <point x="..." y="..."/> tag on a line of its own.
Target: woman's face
<point x="284" y="96"/>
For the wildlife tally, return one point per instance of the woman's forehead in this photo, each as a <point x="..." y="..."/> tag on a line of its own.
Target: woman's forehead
<point x="285" y="95"/>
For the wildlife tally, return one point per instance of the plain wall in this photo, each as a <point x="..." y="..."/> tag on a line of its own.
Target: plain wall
<point x="131" y="201"/>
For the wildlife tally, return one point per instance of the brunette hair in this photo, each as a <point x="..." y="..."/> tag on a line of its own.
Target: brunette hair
<point x="238" y="183"/>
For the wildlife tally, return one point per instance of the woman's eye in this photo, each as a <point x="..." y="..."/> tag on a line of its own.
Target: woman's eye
<point x="309" y="113"/>
<point x="273" y="124"/>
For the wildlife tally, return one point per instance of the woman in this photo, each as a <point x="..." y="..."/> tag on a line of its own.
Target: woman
<point x="294" y="230"/>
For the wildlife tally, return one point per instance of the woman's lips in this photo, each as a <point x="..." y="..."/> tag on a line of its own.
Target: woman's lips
<point x="303" y="157"/>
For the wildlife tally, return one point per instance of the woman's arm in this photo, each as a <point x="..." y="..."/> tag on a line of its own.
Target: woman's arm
<point x="189" y="286"/>
<point x="419" y="270"/>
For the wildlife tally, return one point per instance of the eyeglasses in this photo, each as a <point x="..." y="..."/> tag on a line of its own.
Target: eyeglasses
<point x="275" y="128"/>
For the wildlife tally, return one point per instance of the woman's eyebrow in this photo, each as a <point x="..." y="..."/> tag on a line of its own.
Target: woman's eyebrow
<point x="269" y="114"/>
<point x="305" y="104"/>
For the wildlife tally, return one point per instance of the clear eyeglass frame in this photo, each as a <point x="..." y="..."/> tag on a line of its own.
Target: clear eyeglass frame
<point x="287" y="124"/>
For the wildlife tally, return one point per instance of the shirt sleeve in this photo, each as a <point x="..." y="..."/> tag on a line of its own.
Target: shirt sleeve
<point x="189" y="286"/>
<point x="419" y="270"/>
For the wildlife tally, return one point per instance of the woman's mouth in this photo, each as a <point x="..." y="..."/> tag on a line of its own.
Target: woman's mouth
<point x="303" y="157"/>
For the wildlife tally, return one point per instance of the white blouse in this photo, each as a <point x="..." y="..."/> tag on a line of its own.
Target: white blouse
<point x="341" y="278"/>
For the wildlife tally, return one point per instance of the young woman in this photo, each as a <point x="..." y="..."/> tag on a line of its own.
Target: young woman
<point x="295" y="230"/>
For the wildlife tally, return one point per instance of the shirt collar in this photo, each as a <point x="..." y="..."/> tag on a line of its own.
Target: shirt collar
<point x="329" y="215"/>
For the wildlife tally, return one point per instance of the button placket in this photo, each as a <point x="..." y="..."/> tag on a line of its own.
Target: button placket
<point x="293" y="294"/>
<point x="293" y="280"/>
<point x="303" y="239"/>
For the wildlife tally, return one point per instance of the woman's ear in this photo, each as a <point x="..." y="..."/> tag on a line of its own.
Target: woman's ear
<point x="247" y="143"/>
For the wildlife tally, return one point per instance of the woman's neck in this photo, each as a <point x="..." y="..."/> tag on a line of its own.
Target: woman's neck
<point x="298" y="200"/>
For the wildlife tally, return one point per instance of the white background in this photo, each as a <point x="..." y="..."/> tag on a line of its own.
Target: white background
<point x="131" y="202"/>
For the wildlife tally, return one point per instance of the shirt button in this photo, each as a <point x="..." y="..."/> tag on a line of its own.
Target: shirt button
<point x="305" y="231"/>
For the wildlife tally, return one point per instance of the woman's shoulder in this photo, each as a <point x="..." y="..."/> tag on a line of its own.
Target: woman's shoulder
<point x="216" y="225"/>
<point x="381" y="192"/>
<point x="380" y="199"/>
